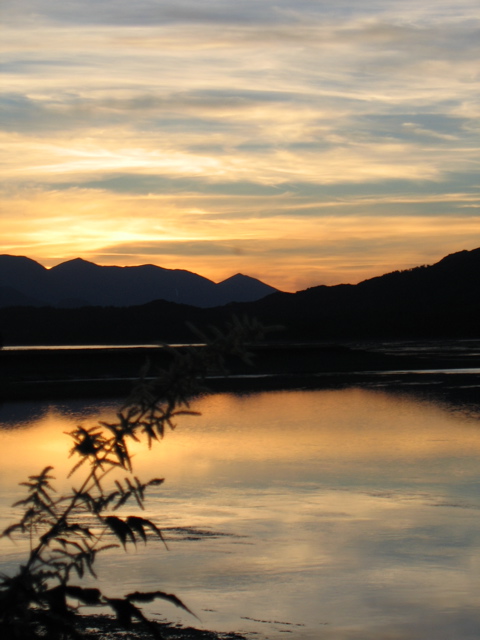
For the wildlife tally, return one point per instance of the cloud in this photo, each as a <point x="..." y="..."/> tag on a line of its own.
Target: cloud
<point x="119" y="12"/>
<point x="229" y="114"/>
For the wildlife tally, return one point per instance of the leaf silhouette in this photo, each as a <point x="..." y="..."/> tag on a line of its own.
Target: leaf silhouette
<point x="87" y="596"/>
<point x="150" y="596"/>
<point x="36" y="603"/>
<point x="9" y="530"/>
<point x="125" y="611"/>
<point x="120" y="529"/>
<point x="139" y="525"/>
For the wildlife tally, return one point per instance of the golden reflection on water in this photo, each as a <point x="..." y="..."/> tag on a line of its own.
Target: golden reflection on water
<point x="346" y="424"/>
<point x="354" y="513"/>
<point x="335" y="428"/>
<point x="38" y="443"/>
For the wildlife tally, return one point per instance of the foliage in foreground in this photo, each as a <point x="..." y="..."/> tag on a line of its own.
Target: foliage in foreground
<point x="67" y="532"/>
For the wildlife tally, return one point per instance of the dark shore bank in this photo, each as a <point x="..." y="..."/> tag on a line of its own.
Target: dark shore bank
<point x="79" y="372"/>
<point x="107" y="628"/>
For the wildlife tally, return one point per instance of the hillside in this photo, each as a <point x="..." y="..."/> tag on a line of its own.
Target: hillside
<point x="428" y="301"/>
<point x="437" y="301"/>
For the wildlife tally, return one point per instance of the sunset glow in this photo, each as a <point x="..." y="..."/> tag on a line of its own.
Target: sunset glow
<point x="301" y="143"/>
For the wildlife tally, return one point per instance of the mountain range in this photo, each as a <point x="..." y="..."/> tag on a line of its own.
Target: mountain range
<point x="437" y="301"/>
<point x="78" y="283"/>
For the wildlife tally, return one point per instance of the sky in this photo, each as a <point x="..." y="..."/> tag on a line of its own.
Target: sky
<point x="301" y="142"/>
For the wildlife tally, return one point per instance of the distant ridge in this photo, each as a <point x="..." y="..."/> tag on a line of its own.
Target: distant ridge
<point x="241" y="288"/>
<point x="439" y="300"/>
<point x="78" y="283"/>
<point x="427" y="302"/>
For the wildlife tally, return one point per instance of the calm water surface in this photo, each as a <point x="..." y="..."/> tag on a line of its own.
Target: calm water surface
<point x="323" y="515"/>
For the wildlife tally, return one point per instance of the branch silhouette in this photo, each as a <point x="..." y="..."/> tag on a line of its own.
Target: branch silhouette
<point x="41" y="600"/>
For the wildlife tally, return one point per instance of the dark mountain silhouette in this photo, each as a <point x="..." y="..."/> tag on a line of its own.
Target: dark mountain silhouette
<point x="427" y="301"/>
<point x="240" y="288"/>
<point x="21" y="273"/>
<point x="437" y="301"/>
<point x="78" y="283"/>
<point x="10" y="297"/>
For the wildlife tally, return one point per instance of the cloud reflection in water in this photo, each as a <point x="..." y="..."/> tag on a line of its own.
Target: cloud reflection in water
<point x="354" y="513"/>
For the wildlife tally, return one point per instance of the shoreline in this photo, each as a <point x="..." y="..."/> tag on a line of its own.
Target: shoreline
<point x="106" y="627"/>
<point x="74" y="373"/>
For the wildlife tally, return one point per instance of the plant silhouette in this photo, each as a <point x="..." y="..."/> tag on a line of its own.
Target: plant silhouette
<point x="43" y="598"/>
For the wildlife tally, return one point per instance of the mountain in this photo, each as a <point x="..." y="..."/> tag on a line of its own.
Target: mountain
<point x="428" y="301"/>
<point x="240" y="288"/>
<point x="437" y="301"/>
<point x="77" y="283"/>
<point x="10" y="297"/>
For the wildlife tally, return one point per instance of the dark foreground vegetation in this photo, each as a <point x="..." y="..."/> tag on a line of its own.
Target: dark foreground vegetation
<point x="108" y="628"/>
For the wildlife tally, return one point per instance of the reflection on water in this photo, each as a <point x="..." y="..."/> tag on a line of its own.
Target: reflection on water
<point x="338" y="515"/>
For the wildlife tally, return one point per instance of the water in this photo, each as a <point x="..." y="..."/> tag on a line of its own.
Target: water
<point x="91" y="347"/>
<point x="349" y="514"/>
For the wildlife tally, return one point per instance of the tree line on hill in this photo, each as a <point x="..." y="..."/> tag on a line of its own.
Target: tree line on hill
<point x="441" y="300"/>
